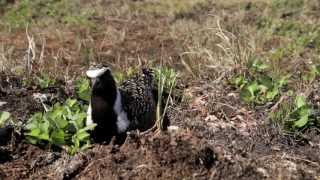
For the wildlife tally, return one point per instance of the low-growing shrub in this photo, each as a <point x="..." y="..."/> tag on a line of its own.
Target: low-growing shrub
<point x="83" y="89"/>
<point x="45" y="81"/>
<point x="62" y="126"/>
<point x="257" y="86"/>
<point x="296" y="114"/>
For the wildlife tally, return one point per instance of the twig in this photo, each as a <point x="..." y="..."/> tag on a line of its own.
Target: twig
<point x="284" y="156"/>
<point x="282" y="98"/>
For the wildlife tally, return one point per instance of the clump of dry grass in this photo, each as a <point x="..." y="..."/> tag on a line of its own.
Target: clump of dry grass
<point x="171" y="8"/>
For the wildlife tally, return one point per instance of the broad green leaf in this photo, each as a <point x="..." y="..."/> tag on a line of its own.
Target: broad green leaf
<point x="300" y="101"/>
<point x="246" y="95"/>
<point x="301" y="122"/>
<point x="56" y="112"/>
<point x="266" y="81"/>
<point x="44" y="136"/>
<point x="34" y="121"/>
<point x="82" y="135"/>
<point x="34" y="133"/>
<point x="304" y="111"/>
<point x="44" y="127"/>
<point x="253" y="88"/>
<point x="31" y="140"/>
<point x="57" y="137"/>
<point x="263" y="89"/>
<point x="89" y="127"/>
<point x="239" y="81"/>
<point x="83" y="88"/>
<point x="79" y="120"/>
<point x="61" y="123"/>
<point x="71" y="102"/>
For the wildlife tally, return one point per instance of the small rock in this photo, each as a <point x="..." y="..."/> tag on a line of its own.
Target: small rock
<point x="2" y="103"/>
<point x="40" y="97"/>
<point x="263" y="172"/>
<point x="173" y="128"/>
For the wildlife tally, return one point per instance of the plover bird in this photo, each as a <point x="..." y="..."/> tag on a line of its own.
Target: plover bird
<point x="118" y="109"/>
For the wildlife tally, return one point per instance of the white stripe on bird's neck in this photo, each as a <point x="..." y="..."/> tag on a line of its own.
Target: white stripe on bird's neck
<point x="122" y="119"/>
<point x="89" y="116"/>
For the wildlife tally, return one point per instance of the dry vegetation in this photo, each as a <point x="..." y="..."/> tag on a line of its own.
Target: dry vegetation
<point x="248" y="85"/>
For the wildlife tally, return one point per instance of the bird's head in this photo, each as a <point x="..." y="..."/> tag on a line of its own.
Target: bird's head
<point x="103" y="83"/>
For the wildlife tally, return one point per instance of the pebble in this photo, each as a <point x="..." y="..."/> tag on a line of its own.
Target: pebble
<point x="2" y="103"/>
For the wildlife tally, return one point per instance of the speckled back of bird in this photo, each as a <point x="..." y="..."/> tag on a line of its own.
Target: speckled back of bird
<point x="139" y="101"/>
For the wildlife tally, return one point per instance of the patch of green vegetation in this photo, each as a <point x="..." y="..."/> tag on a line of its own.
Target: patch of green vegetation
<point x="282" y="27"/>
<point x="4" y="117"/>
<point x="295" y="37"/>
<point x="169" y="7"/>
<point x="257" y="86"/>
<point x="287" y="6"/>
<point x="312" y="74"/>
<point x="83" y="89"/>
<point x="264" y="22"/>
<point x="300" y="116"/>
<point x="166" y="77"/>
<point x="45" y="81"/>
<point x="122" y="76"/>
<point x="288" y="28"/>
<point x="61" y="126"/>
<point x="166" y="81"/>
<point x="45" y="12"/>
<point x="296" y="115"/>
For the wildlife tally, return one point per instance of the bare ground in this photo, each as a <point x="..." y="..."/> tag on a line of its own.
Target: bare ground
<point x="212" y="137"/>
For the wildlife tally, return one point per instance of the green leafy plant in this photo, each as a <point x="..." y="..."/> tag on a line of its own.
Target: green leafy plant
<point x="166" y="77"/>
<point x="300" y="116"/>
<point x="296" y="114"/>
<point x="166" y="81"/>
<point x="45" y="81"/>
<point x="258" y="87"/>
<point x="4" y="117"/>
<point x="83" y="89"/>
<point x="62" y="126"/>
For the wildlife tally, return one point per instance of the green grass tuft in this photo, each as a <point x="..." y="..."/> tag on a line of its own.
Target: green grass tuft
<point x="45" y="12"/>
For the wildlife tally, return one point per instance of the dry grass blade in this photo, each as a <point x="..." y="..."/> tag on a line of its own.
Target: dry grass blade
<point x="31" y="52"/>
